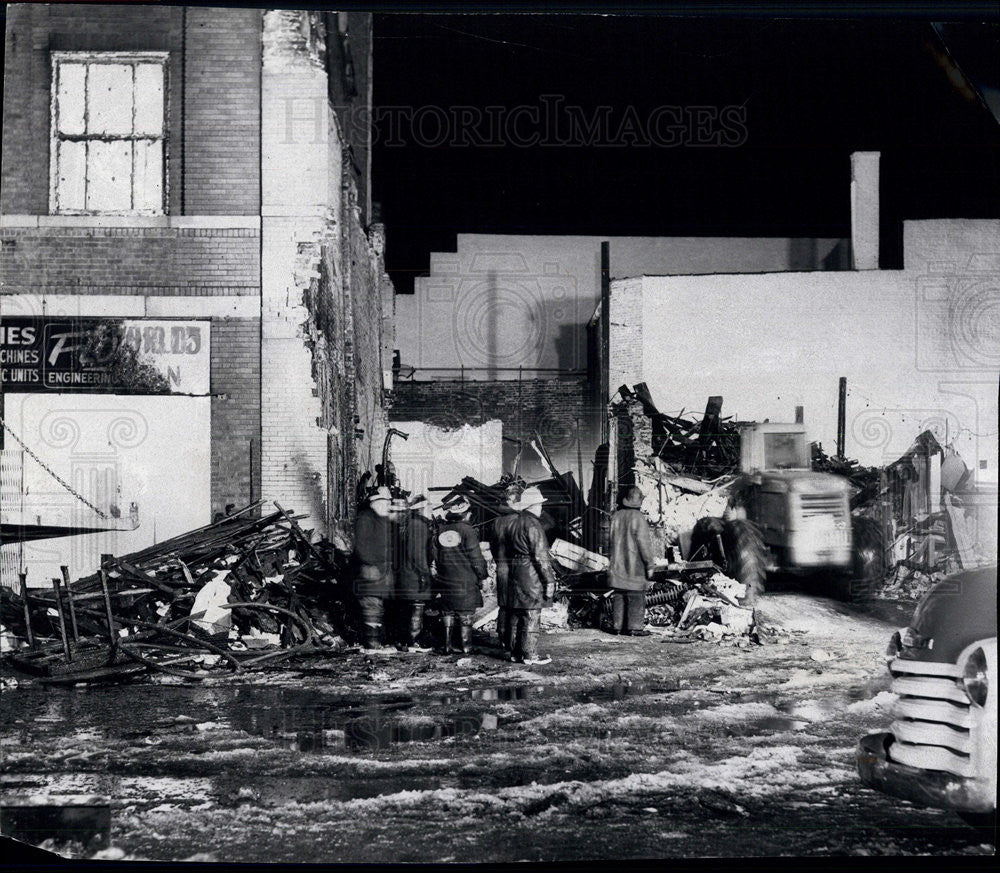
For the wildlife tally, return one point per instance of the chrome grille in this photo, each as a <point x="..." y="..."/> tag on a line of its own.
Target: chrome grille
<point x="932" y="717"/>
<point x="822" y="504"/>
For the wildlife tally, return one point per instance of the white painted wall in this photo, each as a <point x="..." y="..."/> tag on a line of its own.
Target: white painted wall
<point x="509" y="300"/>
<point x="919" y="350"/>
<point x="154" y="451"/>
<point x="433" y="457"/>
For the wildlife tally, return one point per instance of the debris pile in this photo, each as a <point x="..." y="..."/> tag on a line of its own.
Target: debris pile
<point x="691" y="599"/>
<point x="864" y="480"/>
<point x="562" y="512"/>
<point x="936" y="521"/>
<point x="242" y="592"/>
<point x="706" y="609"/>
<point x="706" y="448"/>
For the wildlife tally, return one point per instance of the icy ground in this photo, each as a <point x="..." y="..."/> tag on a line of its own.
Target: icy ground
<point x="621" y="747"/>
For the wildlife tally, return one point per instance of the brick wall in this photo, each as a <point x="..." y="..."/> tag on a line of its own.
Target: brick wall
<point x="366" y="337"/>
<point x="34" y="30"/>
<point x="625" y="354"/>
<point x="131" y="260"/>
<point x="560" y="410"/>
<point x="235" y="373"/>
<point x="634" y="439"/>
<point x="300" y="174"/>
<point x="222" y="111"/>
<point x="213" y="98"/>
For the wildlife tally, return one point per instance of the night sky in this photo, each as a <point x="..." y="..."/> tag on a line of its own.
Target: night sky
<point x="812" y="91"/>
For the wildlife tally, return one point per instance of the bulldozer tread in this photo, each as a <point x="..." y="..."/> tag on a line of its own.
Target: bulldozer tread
<point x="745" y="558"/>
<point x="867" y="561"/>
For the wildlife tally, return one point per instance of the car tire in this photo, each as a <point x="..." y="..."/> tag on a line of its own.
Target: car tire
<point x="867" y="562"/>
<point x="743" y="557"/>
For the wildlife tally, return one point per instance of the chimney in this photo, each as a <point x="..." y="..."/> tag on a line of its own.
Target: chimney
<point x="864" y="210"/>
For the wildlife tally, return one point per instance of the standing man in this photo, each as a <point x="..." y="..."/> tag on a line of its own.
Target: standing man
<point x="413" y="584"/>
<point x="631" y="548"/>
<point x="461" y="569"/>
<point x="497" y="535"/>
<point x="530" y="577"/>
<point x="373" y="565"/>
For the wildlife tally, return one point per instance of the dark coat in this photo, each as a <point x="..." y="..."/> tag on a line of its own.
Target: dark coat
<point x="413" y="581"/>
<point x="524" y="552"/>
<point x="496" y="533"/>
<point x="631" y="550"/>
<point x="460" y="566"/>
<point x="372" y="555"/>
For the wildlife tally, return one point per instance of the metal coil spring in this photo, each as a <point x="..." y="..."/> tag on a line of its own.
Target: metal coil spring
<point x="669" y="596"/>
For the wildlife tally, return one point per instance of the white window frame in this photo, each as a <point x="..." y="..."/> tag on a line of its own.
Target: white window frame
<point x="58" y="58"/>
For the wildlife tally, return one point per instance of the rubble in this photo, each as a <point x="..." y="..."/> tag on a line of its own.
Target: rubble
<point x="247" y="590"/>
<point x="864" y="480"/>
<point x="929" y="512"/>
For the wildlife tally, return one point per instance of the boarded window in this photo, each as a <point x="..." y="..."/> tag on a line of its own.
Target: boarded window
<point x="108" y="132"/>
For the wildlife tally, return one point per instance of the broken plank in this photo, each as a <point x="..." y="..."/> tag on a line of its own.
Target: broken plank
<point x="960" y="533"/>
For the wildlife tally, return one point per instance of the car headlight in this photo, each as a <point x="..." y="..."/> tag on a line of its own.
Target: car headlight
<point x="975" y="679"/>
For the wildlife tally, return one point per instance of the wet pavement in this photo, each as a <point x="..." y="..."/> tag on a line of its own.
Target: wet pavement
<point x="639" y="747"/>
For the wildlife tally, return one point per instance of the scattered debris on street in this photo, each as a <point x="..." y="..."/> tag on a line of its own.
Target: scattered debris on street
<point x="247" y="591"/>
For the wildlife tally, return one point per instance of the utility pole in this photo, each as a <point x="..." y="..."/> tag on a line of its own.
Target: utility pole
<point x="842" y="417"/>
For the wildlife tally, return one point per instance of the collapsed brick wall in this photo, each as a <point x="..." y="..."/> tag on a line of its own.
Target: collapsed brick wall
<point x="131" y="260"/>
<point x="625" y="364"/>
<point x="634" y="439"/>
<point x="365" y="277"/>
<point x="322" y="288"/>
<point x="561" y="411"/>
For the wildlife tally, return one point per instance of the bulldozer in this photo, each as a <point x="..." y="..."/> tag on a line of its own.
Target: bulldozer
<point x="784" y="517"/>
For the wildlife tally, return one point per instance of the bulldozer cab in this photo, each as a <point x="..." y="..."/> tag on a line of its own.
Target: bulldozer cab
<point x="766" y="446"/>
<point x="784" y="516"/>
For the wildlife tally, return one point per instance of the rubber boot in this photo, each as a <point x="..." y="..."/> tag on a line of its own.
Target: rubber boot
<point x="503" y="629"/>
<point x="417" y="627"/>
<point x="372" y="637"/>
<point x="448" y="621"/>
<point x="465" y="634"/>
<point x="529" y="644"/>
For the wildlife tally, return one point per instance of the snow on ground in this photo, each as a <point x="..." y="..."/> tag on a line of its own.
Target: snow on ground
<point x="753" y="755"/>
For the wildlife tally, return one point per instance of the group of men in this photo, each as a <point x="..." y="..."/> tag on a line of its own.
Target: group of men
<point x="404" y="558"/>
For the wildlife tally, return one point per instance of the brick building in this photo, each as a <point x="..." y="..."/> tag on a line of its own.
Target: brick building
<point x="195" y="184"/>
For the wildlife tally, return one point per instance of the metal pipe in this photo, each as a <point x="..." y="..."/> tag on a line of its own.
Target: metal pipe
<point x="69" y="600"/>
<point x="62" y="621"/>
<point x="841" y="417"/>
<point x="27" y="612"/>
<point x="112" y="635"/>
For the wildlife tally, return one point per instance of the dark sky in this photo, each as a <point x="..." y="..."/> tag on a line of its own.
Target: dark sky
<point x="812" y="92"/>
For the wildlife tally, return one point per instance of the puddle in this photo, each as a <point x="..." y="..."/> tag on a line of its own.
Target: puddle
<point x="777" y="723"/>
<point x="306" y="722"/>
<point x="897" y="613"/>
<point x="278" y="790"/>
<point x="813" y="710"/>
<point x="85" y="820"/>
<point x="604" y="693"/>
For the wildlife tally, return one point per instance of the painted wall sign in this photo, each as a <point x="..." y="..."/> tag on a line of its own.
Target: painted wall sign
<point x="104" y="355"/>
